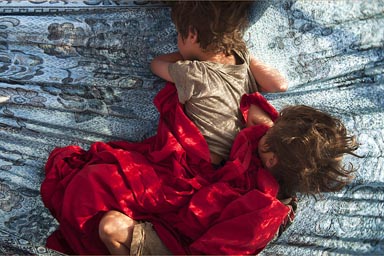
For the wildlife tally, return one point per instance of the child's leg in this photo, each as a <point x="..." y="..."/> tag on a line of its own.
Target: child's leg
<point x="115" y="230"/>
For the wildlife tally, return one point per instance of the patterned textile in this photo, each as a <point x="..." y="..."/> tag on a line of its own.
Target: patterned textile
<point x="74" y="72"/>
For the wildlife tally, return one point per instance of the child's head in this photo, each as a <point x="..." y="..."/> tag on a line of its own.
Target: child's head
<point x="309" y="145"/>
<point x="219" y="25"/>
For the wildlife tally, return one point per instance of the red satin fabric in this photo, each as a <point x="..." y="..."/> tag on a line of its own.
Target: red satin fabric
<point x="168" y="180"/>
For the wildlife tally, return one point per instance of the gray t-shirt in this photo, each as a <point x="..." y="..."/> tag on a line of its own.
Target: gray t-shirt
<point x="211" y="95"/>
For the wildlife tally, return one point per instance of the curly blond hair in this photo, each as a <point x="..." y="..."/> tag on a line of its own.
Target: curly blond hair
<point x="309" y="145"/>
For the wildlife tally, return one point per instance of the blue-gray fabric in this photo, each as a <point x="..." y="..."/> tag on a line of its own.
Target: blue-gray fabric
<point x="74" y="72"/>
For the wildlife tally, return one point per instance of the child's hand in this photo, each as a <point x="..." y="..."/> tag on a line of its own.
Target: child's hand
<point x="257" y="116"/>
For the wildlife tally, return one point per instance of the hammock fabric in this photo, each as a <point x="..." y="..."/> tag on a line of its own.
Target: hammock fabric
<point x="168" y="180"/>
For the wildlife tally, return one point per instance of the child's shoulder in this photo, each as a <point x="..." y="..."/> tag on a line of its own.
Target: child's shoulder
<point x="189" y="65"/>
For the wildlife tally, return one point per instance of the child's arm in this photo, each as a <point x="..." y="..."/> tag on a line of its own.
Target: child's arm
<point x="258" y="116"/>
<point x="159" y="64"/>
<point x="267" y="78"/>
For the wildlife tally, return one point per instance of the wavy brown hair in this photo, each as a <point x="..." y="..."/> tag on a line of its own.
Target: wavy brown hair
<point x="309" y="145"/>
<point x="220" y="25"/>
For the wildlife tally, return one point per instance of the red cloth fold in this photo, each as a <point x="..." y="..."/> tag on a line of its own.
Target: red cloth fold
<point x="167" y="179"/>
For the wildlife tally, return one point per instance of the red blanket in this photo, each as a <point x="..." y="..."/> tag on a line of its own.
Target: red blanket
<point x="168" y="180"/>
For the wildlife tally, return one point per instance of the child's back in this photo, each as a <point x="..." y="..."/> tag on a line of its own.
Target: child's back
<point x="211" y="92"/>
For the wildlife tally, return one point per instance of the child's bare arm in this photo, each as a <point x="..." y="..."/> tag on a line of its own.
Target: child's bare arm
<point x="268" y="78"/>
<point x="257" y="116"/>
<point x="159" y="64"/>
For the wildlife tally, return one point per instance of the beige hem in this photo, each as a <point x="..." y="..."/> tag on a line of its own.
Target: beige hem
<point x="145" y="241"/>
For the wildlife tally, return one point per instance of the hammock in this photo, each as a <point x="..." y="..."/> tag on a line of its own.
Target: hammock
<point x="76" y="72"/>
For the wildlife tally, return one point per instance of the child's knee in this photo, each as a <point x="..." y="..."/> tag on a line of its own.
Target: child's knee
<point x="113" y="225"/>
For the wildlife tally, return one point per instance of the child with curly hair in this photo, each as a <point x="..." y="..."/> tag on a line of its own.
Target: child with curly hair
<point x="301" y="148"/>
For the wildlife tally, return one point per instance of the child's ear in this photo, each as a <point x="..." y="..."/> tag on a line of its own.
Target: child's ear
<point x="271" y="161"/>
<point x="192" y="34"/>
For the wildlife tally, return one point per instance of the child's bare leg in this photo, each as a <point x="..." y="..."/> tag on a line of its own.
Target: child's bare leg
<point x="116" y="230"/>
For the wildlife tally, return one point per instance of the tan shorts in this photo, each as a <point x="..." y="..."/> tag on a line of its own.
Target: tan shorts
<point x="145" y="241"/>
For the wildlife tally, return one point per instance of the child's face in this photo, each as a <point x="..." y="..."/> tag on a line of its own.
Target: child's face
<point x="268" y="159"/>
<point x="182" y="45"/>
<point x="187" y="46"/>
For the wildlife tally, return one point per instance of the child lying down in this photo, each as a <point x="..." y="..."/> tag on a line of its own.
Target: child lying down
<point x="196" y="207"/>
